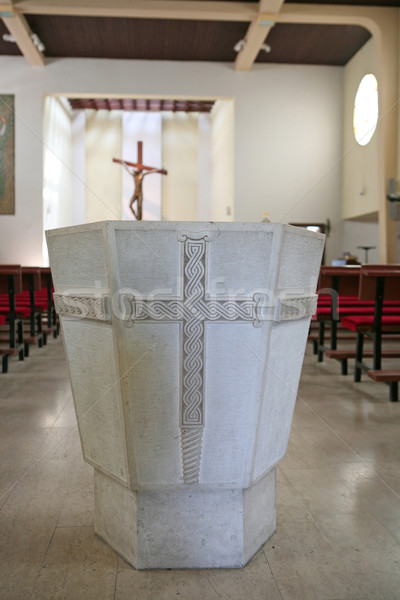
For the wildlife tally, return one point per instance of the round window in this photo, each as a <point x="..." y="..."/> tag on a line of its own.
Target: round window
<point x="366" y="109"/>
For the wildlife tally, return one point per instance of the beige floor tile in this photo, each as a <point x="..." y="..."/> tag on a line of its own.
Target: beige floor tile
<point x="338" y="500"/>
<point x="321" y="446"/>
<point x="330" y="558"/>
<point x="77" y="566"/>
<point x="17" y="583"/>
<point x="254" y="582"/>
<point x="78" y="508"/>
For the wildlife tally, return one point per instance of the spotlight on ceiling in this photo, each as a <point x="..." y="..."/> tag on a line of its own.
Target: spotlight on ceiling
<point x="37" y="42"/>
<point x="238" y="47"/>
<point x="7" y="37"/>
<point x="266" y="48"/>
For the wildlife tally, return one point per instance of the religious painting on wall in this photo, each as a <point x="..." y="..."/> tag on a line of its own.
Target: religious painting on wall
<point x="7" y="200"/>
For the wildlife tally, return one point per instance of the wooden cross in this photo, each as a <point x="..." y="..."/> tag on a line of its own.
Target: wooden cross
<point x="138" y="171"/>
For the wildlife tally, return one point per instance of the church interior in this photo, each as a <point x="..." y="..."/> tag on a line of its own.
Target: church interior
<point x="244" y="112"/>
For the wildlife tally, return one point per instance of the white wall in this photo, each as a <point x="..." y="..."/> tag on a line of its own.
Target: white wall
<point x="103" y="179"/>
<point x="397" y="176"/>
<point x="21" y="234"/>
<point x="288" y="144"/>
<point x="361" y="185"/>
<point x="360" y="163"/>
<point x="222" y="161"/>
<point x="358" y="233"/>
<point x="78" y="200"/>
<point x="180" y="149"/>
<point x="287" y="133"/>
<point x="205" y="168"/>
<point x="57" y="167"/>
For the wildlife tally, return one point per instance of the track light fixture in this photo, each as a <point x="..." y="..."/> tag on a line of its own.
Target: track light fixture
<point x="238" y="47"/>
<point x="37" y="42"/>
<point x="7" y="37"/>
<point x="266" y="48"/>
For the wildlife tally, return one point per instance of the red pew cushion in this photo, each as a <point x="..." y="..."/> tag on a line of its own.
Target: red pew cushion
<point x="366" y="323"/>
<point x="21" y="312"/>
<point x="358" y="310"/>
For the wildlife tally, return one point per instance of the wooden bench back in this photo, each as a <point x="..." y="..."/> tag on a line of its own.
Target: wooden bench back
<point x="368" y="280"/>
<point x="45" y="274"/>
<point x="31" y="275"/>
<point x="5" y="271"/>
<point x="344" y="280"/>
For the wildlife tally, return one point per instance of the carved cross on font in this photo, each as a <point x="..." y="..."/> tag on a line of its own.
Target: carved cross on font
<point x="194" y="310"/>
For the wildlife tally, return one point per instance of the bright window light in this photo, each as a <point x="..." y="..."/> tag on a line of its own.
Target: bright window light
<point x="366" y="109"/>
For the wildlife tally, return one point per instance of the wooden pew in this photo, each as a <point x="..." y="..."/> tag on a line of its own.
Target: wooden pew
<point x="389" y="376"/>
<point x="27" y="307"/>
<point x="50" y="322"/>
<point x="11" y="284"/>
<point x="31" y="283"/>
<point x="344" y="354"/>
<point x="335" y="283"/>
<point x="378" y="282"/>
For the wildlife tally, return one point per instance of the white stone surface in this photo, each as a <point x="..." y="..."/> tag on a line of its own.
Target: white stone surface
<point x="185" y="528"/>
<point x="184" y="371"/>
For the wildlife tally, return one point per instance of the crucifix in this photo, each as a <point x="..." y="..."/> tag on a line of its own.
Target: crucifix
<point x="138" y="171"/>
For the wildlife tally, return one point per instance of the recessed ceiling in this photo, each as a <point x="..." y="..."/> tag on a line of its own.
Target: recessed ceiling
<point x="349" y="2"/>
<point x="181" y="30"/>
<point x="314" y="44"/>
<point x="141" y="104"/>
<point x="148" y="39"/>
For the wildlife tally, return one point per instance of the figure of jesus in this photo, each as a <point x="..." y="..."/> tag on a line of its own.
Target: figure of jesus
<point x="137" y="196"/>
<point x="138" y="172"/>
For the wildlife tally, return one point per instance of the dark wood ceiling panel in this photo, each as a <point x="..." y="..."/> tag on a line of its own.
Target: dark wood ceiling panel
<point x="349" y="2"/>
<point x="190" y="40"/>
<point x="238" y="1"/>
<point x="141" y="104"/>
<point x="7" y="48"/>
<point x="151" y="39"/>
<point x="314" y="44"/>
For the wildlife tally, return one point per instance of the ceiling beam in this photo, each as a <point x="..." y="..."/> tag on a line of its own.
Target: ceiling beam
<point x="213" y="10"/>
<point x="277" y="11"/>
<point x="150" y="9"/>
<point x="19" y="29"/>
<point x="256" y="34"/>
<point x="6" y="9"/>
<point x="258" y="14"/>
<point x="271" y="6"/>
<point x="331" y="14"/>
<point x="254" y="39"/>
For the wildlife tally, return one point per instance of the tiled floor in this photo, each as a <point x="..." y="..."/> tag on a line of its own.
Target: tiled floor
<point x="338" y="531"/>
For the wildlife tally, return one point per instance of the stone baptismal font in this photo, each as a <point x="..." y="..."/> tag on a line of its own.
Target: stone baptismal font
<point x="185" y="343"/>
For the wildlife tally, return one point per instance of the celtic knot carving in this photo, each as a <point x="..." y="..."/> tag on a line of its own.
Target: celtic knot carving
<point x="193" y="333"/>
<point x="296" y="308"/>
<point x="82" y="307"/>
<point x="158" y="310"/>
<point x="191" y="442"/>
